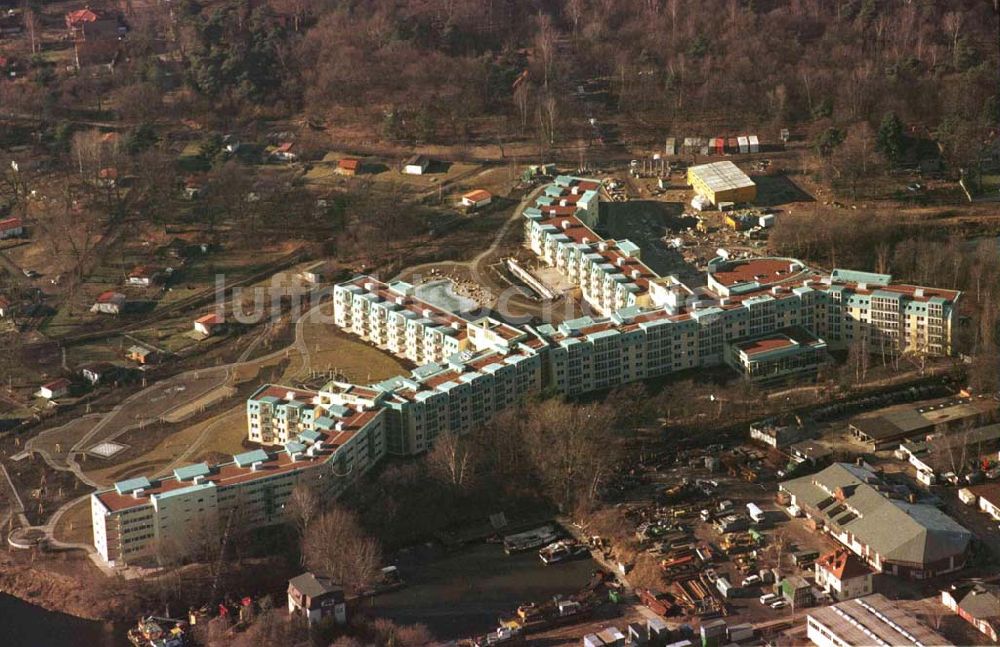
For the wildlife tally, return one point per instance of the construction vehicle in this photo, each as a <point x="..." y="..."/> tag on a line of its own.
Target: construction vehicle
<point x="154" y="631"/>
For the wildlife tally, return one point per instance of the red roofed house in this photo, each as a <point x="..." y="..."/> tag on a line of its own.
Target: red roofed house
<point x="209" y="324"/>
<point x="55" y="389"/>
<point x="11" y="227"/>
<point x="108" y="176"/>
<point x="476" y="199"/>
<point x="143" y="276"/>
<point x="91" y="24"/>
<point x="348" y="166"/>
<point x="109" y="303"/>
<point x="843" y="575"/>
<point x="977" y="603"/>
<point x="283" y="152"/>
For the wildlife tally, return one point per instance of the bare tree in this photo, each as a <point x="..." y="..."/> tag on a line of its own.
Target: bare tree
<point x="452" y="461"/>
<point x="303" y="507"/>
<point x="337" y="546"/>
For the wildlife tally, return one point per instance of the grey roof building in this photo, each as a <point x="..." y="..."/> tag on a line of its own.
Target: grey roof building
<point x="978" y="604"/>
<point x="896" y="536"/>
<point x="871" y="620"/>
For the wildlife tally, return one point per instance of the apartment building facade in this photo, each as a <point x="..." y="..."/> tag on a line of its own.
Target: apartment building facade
<point x="140" y="519"/>
<point x="448" y="397"/>
<point x="390" y="316"/>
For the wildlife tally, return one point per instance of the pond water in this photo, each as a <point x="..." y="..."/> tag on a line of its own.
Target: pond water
<point x="23" y="624"/>
<point x="462" y="593"/>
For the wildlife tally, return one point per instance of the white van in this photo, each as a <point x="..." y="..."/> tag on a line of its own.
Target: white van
<point x="768" y="598"/>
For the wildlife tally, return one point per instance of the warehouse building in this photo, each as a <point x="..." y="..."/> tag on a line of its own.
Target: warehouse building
<point x="886" y="430"/>
<point x="871" y="620"/>
<point x="867" y="515"/>
<point x="722" y="182"/>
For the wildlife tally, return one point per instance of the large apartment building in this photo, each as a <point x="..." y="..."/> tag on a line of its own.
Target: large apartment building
<point x="503" y="364"/>
<point x="764" y="316"/>
<point x="743" y="298"/>
<point x="140" y="519"/>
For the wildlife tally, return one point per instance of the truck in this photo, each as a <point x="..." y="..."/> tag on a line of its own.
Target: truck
<point x="755" y="512"/>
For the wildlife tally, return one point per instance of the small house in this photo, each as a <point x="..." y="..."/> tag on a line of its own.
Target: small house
<point x="209" y="324"/>
<point x="11" y="24"/>
<point x="321" y="272"/>
<point x="11" y="228"/>
<point x="283" y="152"/>
<point x="477" y="199"/>
<point x="55" y="389"/>
<point x="98" y="372"/>
<point x="416" y="165"/>
<point x="843" y="575"/>
<point x="193" y="187"/>
<point x="978" y="604"/>
<point x="92" y="24"/>
<point x="141" y="355"/>
<point x="316" y="597"/>
<point x="107" y="177"/>
<point x="109" y="303"/>
<point x="796" y="590"/>
<point x="143" y="276"/>
<point x="348" y="166"/>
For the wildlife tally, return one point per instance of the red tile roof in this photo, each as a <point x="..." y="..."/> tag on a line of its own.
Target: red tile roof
<point x="478" y="195"/>
<point x="843" y="565"/>
<point x="83" y="15"/>
<point x="210" y="319"/>
<point x="10" y="223"/>
<point x="110" y="297"/>
<point x="349" y="164"/>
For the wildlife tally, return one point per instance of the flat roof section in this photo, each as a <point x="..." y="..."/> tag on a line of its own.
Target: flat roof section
<point x="722" y="176"/>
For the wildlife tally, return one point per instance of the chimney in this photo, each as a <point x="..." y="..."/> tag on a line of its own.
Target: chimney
<point x="918" y="292"/>
<point x="564" y="224"/>
<point x="620" y="262"/>
<point x="139" y="493"/>
<point x="296" y="456"/>
<point x="427" y="312"/>
<point x="585" y="241"/>
<point x="400" y="300"/>
<point x="636" y="274"/>
<point x="603" y="246"/>
<point x="290" y="395"/>
<point x="457" y="325"/>
<point x="256" y="466"/>
<point x="339" y="426"/>
<point x="370" y="286"/>
<point x="862" y="285"/>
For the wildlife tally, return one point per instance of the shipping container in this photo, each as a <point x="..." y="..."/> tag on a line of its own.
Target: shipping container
<point x="744" y="144"/>
<point x="766" y="221"/>
<point x="740" y="632"/>
<point x="754" y="144"/>
<point x="733" y="145"/>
